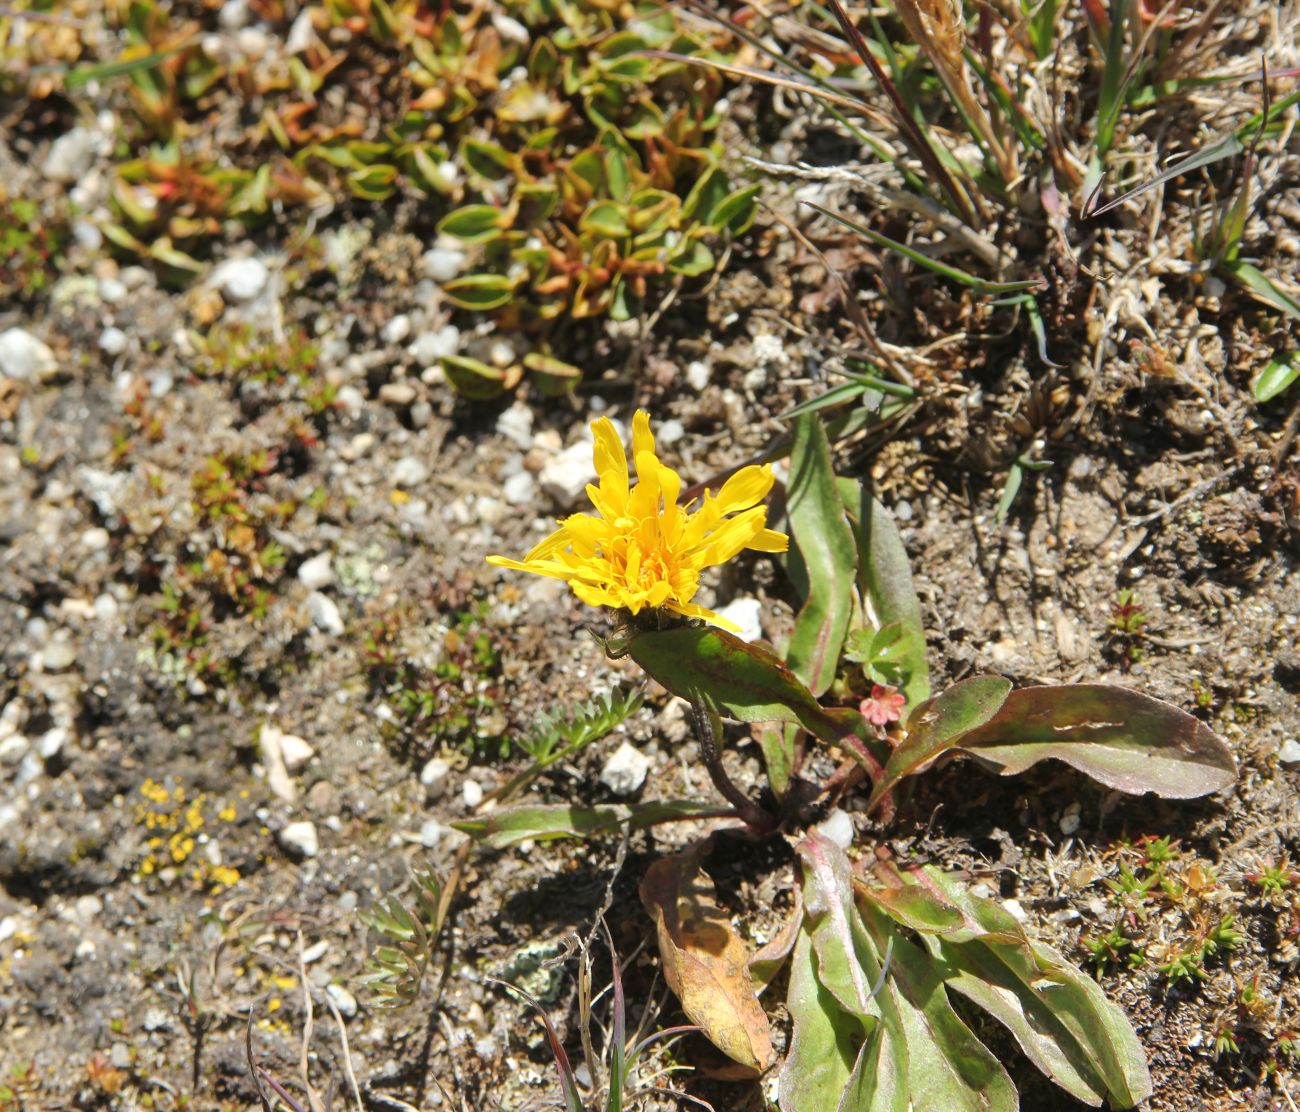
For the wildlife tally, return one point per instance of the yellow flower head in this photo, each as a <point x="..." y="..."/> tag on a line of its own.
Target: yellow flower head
<point x="644" y="550"/>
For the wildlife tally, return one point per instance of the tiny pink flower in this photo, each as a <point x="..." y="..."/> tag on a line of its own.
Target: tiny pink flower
<point x="883" y="706"/>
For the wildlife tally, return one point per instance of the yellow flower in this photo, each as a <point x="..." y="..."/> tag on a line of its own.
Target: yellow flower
<point x="645" y="551"/>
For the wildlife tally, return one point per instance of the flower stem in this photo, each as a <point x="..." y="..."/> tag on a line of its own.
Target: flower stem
<point x="709" y="728"/>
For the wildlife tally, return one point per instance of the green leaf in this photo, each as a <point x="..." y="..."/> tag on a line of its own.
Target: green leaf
<point x="554" y="376"/>
<point x="374" y="183"/>
<point x="480" y="291"/>
<point x="735" y="212"/>
<point x="983" y="285"/>
<point x="1059" y="1015"/>
<point x="692" y="259"/>
<point x="1259" y="284"/>
<point x="473" y="223"/>
<point x="472" y="378"/>
<point x="488" y="161"/>
<point x="823" y="558"/>
<point x="1127" y="741"/>
<point x="823" y="1041"/>
<point x="879" y="1081"/>
<point x="917" y="908"/>
<point x="545" y="822"/>
<point x="885" y="581"/>
<point x="1277" y="377"/>
<point x="103" y="71"/>
<point x="948" y="1067"/>
<point x="941" y="723"/>
<point x="746" y="682"/>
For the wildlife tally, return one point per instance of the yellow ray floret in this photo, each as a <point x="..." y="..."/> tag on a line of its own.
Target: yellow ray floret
<point x="641" y="549"/>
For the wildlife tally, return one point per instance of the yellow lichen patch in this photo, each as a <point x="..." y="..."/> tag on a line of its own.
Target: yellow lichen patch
<point x="178" y="822"/>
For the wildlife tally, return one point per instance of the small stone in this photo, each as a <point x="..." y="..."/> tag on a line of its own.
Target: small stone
<point x="113" y="290"/>
<point x="838" y="827"/>
<point x="472" y="793"/>
<point x="13" y="748"/>
<point x="343" y="1000"/>
<point x="397" y="329"/>
<point x="434" y="775"/>
<point x="59" y="656"/>
<point x="409" y="472"/>
<point x="106" y="608"/>
<point x="315" y="952"/>
<point x="510" y="29"/>
<point x="316" y="572"/>
<point x="112" y="341"/>
<point x="50" y="744"/>
<point x="429" y="347"/>
<point x="431" y="833"/>
<point x="1289" y="752"/>
<point x="300" y="839"/>
<point x="1017" y="912"/>
<point x="516" y="425"/>
<point x="270" y="744"/>
<point x="24" y="357"/>
<point x="501" y="354"/>
<point x="241" y="279"/>
<point x="88" y="908"/>
<point x="397" y="394"/>
<point x="565" y="476"/>
<point x="442" y="264"/>
<point x="625" y="771"/>
<point x="296" y="751"/>
<point x="71" y="156"/>
<point x="234" y="15"/>
<point x="119" y="1056"/>
<point x="421" y="414"/>
<point x="1070" y="821"/>
<point x="746" y="613"/>
<point x="670" y="432"/>
<point x="325" y="614"/>
<point x="88" y="235"/>
<point x="903" y="511"/>
<point x="697" y="375"/>
<point x="156" y="1019"/>
<point x="520" y="489"/>
<point x="322" y="798"/>
<point x="95" y="539"/>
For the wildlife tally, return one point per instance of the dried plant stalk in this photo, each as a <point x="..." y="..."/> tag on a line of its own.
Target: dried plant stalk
<point x="936" y="27"/>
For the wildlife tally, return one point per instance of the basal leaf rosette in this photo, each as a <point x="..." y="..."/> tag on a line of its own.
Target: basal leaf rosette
<point x="641" y="551"/>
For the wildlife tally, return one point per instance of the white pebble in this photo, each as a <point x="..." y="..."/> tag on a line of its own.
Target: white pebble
<point x="409" y="472"/>
<point x="442" y="264"/>
<point x="1070" y="821"/>
<point x="71" y="156"/>
<point x="838" y="828"/>
<point x="434" y="774"/>
<point x="472" y="792"/>
<point x="670" y="432"/>
<point x="300" y="838"/>
<point x="316" y="572"/>
<point x="746" y="613"/>
<point x="397" y="329"/>
<point x="24" y="357"/>
<point x="325" y="614"/>
<point x="431" y="833"/>
<point x="343" y="1000"/>
<point x="241" y="279"/>
<point x="112" y="341"/>
<point x="113" y="290"/>
<point x="516" y="425"/>
<point x="1289" y="752"/>
<point x="50" y="744"/>
<point x="565" y="476"/>
<point x="296" y="751"/>
<point x="697" y="375"/>
<point x="626" y="770"/>
<point x="520" y="489"/>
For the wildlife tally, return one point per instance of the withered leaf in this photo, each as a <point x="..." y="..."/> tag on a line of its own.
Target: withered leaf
<point x="705" y="962"/>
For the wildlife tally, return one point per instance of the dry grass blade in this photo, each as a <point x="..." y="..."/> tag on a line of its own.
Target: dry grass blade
<point x="908" y="127"/>
<point x="936" y="26"/>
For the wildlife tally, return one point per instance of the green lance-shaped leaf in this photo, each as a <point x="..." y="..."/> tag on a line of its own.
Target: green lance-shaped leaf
<point x="728" y="676"/>
<point x="885" y="581"/>
<point x="1058" y="1014"/>
<point x="544" y="822"/>
<point x="948" y="1067"/>
<point x="824" y="1039"/>
<point x="1276" y="377"/>
<point x="940" y="724"/>
<point x="823" y="558"/>
<point x="1127" y="741"/>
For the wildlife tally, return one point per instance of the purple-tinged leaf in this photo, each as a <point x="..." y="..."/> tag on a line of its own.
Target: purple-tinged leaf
<point x="1127" y="741"/>
<point x="822" y="1044"/>
<point x="560" y="820"/>
<point x="941" y="723"/>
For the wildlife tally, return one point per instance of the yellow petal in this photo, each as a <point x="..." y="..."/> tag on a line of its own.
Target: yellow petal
<point x="732" y="536"/>
<point x="643" y="440"/>
<point x="691" y="610"/>
<point x="769" y="540"/>
<point x="551" y="571"/>
<point x="609" y="457"/>
<point x="746" y="487"/>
